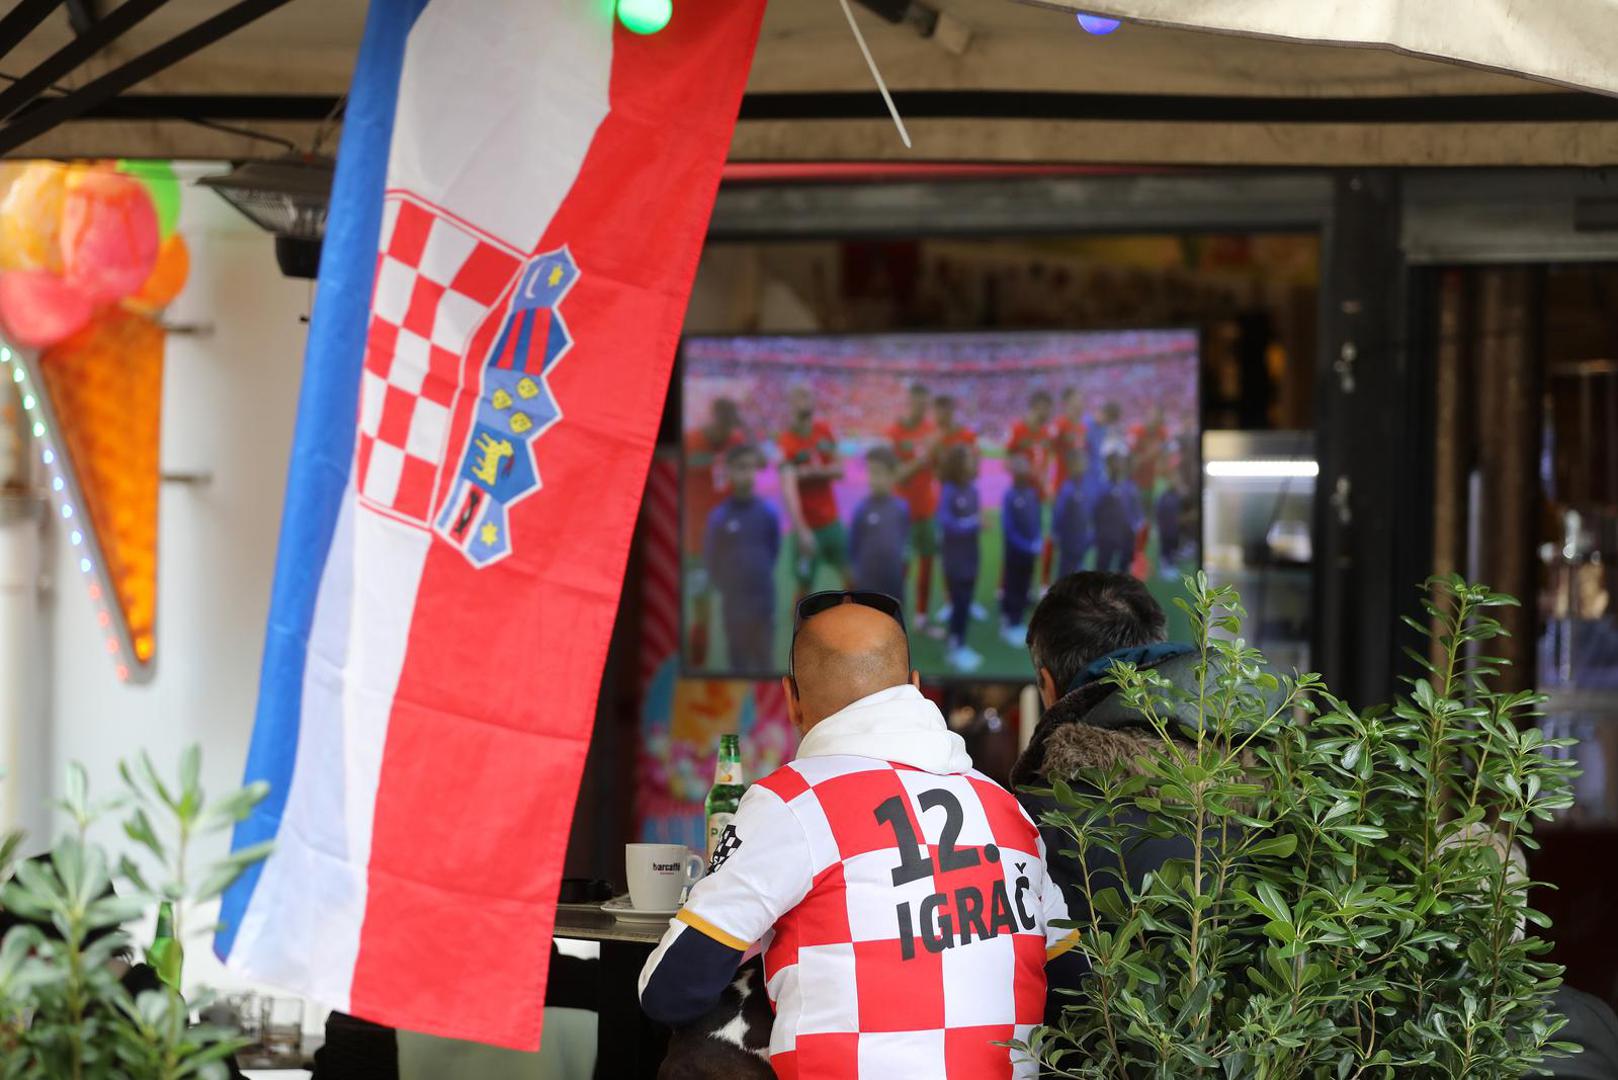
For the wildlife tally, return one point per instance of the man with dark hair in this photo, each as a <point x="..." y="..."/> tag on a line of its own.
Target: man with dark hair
<point x="1089" y="616"/>
<point x="1086" y="622"/>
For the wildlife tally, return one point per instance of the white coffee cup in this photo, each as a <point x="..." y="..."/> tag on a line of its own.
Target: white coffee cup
<point x="659" y="874"/>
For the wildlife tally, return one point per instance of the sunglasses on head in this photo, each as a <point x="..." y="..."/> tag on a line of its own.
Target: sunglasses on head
<point x="818" y="602"/>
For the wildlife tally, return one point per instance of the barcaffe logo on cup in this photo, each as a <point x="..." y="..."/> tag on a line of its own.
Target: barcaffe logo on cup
<point x="667" y="867"/>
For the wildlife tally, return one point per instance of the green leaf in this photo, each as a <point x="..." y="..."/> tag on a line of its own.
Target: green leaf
<point x="76" y="792"/>
<point x="114" y="911"/>
<point x="1281" y="931"/>
<point x="1274" y="903"/>
<point x="191" y="768"/>
<point x="220" y="876"/>
<point x="1279" y="847"/>
<point x="190" y="800"/>
<point x="1109" y="903"/>
<point x="138" y="827"/>
<point x="155" y="782"/>
<point x="1339" y="808"/>
<point x="130" y="872"/>
<point x="236" y="806"/>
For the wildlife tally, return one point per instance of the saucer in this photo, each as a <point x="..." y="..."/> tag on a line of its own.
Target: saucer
<point x="619" y="908"/>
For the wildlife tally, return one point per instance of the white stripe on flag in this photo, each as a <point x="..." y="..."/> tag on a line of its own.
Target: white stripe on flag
<point x="468" y="136"/>
<point x="298" y="930"/>
<point x="318" y="884"/>
<point x="388" y="557"/>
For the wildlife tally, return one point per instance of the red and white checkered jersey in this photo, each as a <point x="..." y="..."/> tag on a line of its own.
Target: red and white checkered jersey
<point x="904" y="915"/>
<point x="436" y="280"/>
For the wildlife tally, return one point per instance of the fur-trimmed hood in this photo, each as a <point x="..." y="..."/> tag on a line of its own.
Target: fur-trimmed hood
<point x="1072" y="747"/>
<point x="1091" y="726"/>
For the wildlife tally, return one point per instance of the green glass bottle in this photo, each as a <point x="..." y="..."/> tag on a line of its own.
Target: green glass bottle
<point x="726" y="794"/>
<point x="166" y="955"/>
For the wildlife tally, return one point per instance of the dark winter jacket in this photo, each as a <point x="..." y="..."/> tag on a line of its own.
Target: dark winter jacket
<point x="1091" y="727"/>
<point x="1591" y="1026"/>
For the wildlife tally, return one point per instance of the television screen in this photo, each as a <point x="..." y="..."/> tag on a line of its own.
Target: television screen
<point x="959" y="472"/>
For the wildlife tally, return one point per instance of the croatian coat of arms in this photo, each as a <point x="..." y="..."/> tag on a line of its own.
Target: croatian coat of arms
<point x="514" y="407"/>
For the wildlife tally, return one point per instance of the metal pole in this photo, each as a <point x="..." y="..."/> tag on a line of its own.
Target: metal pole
<point x="37" y="80"/>
<point x="21" y="20"/>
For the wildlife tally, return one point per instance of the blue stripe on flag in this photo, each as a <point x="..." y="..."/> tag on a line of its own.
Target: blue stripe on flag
<point x="323" y="442"/>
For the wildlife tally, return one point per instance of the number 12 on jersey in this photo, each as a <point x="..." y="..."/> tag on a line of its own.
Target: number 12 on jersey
<point x="949" y="918"/>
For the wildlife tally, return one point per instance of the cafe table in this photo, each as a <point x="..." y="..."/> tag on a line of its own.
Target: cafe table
<point x="629" y="1045"/>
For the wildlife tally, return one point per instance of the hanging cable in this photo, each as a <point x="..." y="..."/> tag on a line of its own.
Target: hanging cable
<point x="317" y="145"/>
<point x="893" y="110"/>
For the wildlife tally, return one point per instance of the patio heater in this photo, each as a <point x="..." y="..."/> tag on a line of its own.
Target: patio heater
<point x="287" y="198"/>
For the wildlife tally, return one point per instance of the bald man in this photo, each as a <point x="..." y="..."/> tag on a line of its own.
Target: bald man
<point x="898" y="896"/>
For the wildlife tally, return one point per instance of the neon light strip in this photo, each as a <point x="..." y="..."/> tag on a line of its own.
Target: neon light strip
<point x="1254" y="469"/>
<point x="21" y="366"/>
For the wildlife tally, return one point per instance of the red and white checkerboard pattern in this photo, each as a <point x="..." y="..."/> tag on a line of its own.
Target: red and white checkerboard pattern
<point x="436" y="280"/>
<point x="849" y="1002"/>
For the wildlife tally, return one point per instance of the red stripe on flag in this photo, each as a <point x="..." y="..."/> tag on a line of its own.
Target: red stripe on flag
<point x="480" y="774"/>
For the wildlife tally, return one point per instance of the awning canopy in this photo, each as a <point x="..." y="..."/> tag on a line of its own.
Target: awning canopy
<point x="1572" y="43"/>
<point x="997" y="80"/>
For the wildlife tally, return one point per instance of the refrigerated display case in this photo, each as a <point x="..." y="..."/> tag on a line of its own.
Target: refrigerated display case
<point x="1258" y="498"/>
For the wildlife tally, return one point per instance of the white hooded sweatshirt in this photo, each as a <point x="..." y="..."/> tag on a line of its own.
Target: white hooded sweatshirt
<point x="897" y="724"/>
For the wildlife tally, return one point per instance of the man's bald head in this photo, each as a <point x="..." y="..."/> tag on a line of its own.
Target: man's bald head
<point x="843" y="654"/>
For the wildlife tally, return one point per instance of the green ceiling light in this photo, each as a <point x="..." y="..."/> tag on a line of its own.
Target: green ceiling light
<point x="645" y="16"/>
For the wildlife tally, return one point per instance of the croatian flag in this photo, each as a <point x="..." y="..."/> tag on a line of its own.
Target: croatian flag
<point x="522" y="192"/>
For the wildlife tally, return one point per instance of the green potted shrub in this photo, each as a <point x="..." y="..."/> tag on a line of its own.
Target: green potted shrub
<point x="64" y="1009"/>
<point x="1355" y="904"/>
